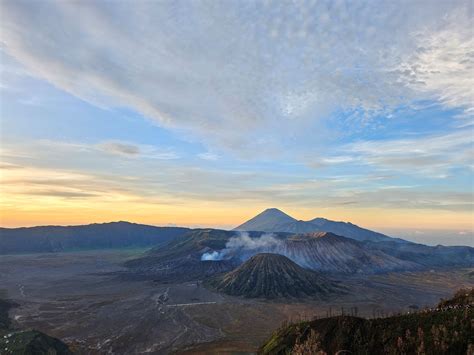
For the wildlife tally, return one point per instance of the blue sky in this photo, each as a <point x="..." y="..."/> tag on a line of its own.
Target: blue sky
<point x="205" y="112"/>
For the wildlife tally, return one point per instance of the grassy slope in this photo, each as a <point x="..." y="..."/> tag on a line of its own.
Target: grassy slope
<point x="440" y="331"/>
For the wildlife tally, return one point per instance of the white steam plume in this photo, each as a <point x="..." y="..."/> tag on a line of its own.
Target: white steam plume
<point x="215" y="255"/>
<point x="243" y="246"/>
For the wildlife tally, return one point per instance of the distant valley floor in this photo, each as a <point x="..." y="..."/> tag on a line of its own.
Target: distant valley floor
<point x="73" y="297"/>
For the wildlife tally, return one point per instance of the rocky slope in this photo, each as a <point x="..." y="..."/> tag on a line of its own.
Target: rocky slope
<point x="180" y="260"/>
<point x="332" y="253"/>
<point x="273" y="276"/>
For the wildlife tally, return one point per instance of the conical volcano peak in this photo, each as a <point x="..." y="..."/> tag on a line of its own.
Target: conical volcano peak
<point x="268" y="258"/>
<point x="275" y="212"/>
<point x="269" y="275"/>
<point x="266" y="221"/>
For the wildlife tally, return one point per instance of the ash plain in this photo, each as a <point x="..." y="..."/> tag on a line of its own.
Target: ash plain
<point x="78" y="298"/>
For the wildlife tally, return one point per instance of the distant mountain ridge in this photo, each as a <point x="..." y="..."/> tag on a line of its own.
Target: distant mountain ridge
<point x="424" y="255"/>
<point x="274" y="220"/>
<point x="46" y="239"/>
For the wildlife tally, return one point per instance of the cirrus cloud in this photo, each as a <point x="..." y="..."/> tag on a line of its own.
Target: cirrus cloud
<point x="248" y="76"/>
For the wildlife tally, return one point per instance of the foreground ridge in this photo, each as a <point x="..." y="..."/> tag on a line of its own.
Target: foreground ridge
<point x="445" y="329"/>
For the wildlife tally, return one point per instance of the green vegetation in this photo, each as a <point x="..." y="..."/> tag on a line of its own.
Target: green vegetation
<point x="26" y="342"/>
<point x="462" y="297"/>
<point x="446" y="329"/>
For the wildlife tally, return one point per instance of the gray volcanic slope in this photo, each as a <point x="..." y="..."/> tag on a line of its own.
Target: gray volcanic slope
<point x="180" y="260"/>
<point x="274" y="220"/>
<point x="273" y="276"/>
<point x="329" y="252"/>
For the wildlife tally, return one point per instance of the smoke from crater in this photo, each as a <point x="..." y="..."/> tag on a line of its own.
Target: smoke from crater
<point x="243" y="246"/>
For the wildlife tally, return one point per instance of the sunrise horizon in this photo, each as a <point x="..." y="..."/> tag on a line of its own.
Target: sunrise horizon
<point x="430" y="233"/>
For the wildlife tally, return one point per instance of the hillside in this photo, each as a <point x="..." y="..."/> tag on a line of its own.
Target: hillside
<point x="274" y="220"/>
<point x="333" y="253"/>
<point x="5" y="321"/>
<point x="461" y="298"/>
<point x="273" y="276"/>
<point x="424" y="255"/>
<point x="180" y="260"/>
<point x="444" y="330"/>
<point x="48" y="239"/>
<point x="15" y="341"/>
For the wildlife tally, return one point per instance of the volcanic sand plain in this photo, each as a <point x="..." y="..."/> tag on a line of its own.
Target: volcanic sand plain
<point x="81" y="298"/>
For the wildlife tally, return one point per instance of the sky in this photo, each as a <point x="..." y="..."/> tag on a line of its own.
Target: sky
<point x="204" y="113"/>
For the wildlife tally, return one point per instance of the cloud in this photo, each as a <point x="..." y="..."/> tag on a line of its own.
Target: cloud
<point x="59" y="193"/>
<point x="117" y="148"/>
<point x="7" y="166"/>
<point x="408" y="198"/>
<point x="120" y="148"/>
<point x="69" y="170"/>
<point x="208" y="156"/>
<point x="431" y="156"/>
<point x="256" y="78"/>
<point x="130" y="150"/>
<point x="434" y="236"/>
<point x="34" y="182"/>
<point x="443" y="63"/>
